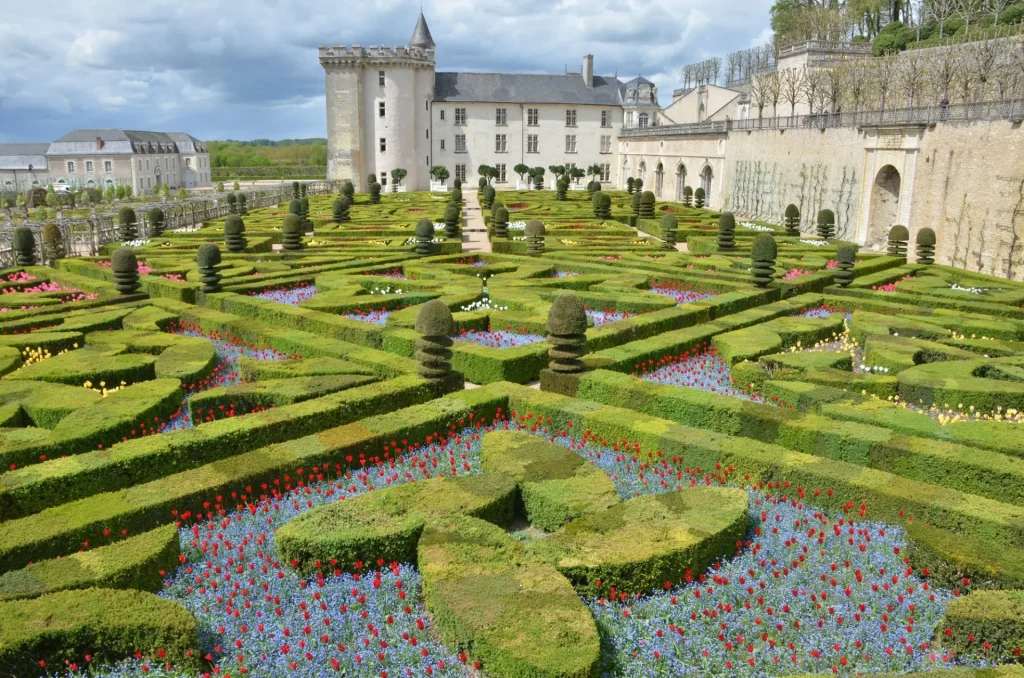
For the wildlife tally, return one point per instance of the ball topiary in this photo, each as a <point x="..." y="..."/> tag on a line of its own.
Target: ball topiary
<point x="561" y="190"/>
<point x="630" y="183"/>
<point x="208" y="258"/>
<point x="374" y="193"/>
<point x="125" y="268"/>
<point x="480" y="183"/>
<point x="53" y="242"/>
<point x="126" y="220"/>
<point x="926" y="246"/>
<point x="535" y="237"/>
<point x="295" y="207"/>
<point x="647" y="205"/>
<point x="792" y="220"/>
<point x="424" y="234"/>
<point x="495" y="205"/>
<point x="597" y="186"/>
<point x="604" y="207"/>
<point x="435" y="324"/>
<point x="500" y="222"/>
<point x="291" y="232"/>
<point x="234" y="227"/>
<point x="634" y="202"/>
<point x="339" y="210"/>
<point x="457" y="184"/>
<point x="687" y="196"/>
<point x="898" y="237"/>
<point x="155" y="221"/>
<point x="232" y="201"/>
<point x="451" y="221"/>
<point x="567" y="334"/>
<point x="243" y="204"/>
<point x="24" y="246"/>
<point x="762" y="255"/>
<point x="348" y="190"/>
<point x="698" y="197"/>
<point x="457" y="196"/>
<point x="669" y="224"/>
<point x="826" y="224"/>
<point x="726" y="231"/>
<point x="638" y="185"/>
<point x="487" y="197"/>
<point x="846" y="254"/>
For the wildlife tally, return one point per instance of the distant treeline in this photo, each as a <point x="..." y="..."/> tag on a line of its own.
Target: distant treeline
<point x="268" y="153"/>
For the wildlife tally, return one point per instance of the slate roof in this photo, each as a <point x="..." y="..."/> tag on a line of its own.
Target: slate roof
<point x="20" y="156"/>
<point x="525" y="88"/>
<point x="421" y="35"/>
<point x="122" y="141"/>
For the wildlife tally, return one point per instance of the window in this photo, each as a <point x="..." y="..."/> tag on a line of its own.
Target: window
<point x="570" y="117"/>
<point x="140" y="169"/>
<point x="383" y="146"/>
<point x="383" y="178"/>
<point x="88" y="165"/>
<point x="71" y="166"/>
<point x="501" y="173"/>
<point x="533" y="116"/>
<point x="428" y="161"/>
<point x="606" y="172"/>
<point x="460" y="116"/>
<point x="606" y="144"/>
<point x="108" y="166"/>
<point x="500" y="116"/>
<point x="499" y="143"/>
<point x="147" y="164"/>
<point x="188" y="163"/>
<point x="460" y="172"/>
<point x="570" y="143"/>
<point x="460" y="143"/>
<point x="165" y="164"/>
<point x="629" y="119"/>
<point x="442" y="144"/>
<point x="426" y="105"/>
<point x="442" y="114"/>
<point x="606" y="119"/>
<point x="381" y="109"/>
<point x="428" y="133"/>
<point x="532" y="143"/>
<point x="642" y="118"/>
<point x="149" y="182"/>
<point x="380" y="78"/>
<point x="140" y="179"/>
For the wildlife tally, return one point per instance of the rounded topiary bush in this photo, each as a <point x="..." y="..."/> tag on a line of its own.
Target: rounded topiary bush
<point x="457" y="196"/>
<point x="125" y="268"/>
<point x="348" y="190"/>
<point x="826" y="224"/>
<point x="53" y="242"/>
<point x="295" y="207"/>
<point x="305" y="213"/>
<point x="762" y="254"/>
<point x="480" y="183"/>
<point x="451" y="220"/>
<point x="698" y="197"/>
<point x="898" y="237"/>
<point x="535" y="237"/>
<point x="926" y="246"/>
<point x="424" y="234"/>
<point x="292" y="232"/>
<point x="561" y="190"/>
<point x="638" y="185"/>
<point x="126" y="224"/>
<point x="595" y="200"/>
<point x="566" y="328"/>
<point x="634" y="202"/>
<point x="243" y="204"/>
<point x="669" y="225"/>
<point x="792" y="220"/>
<point x="302" y="189"/>
<point x="232" y="201"/>
<point x="457" y="184"/>
<point x="487" y="196"/>
<point x="339" y="210"/>
<point x="688" y="196"/>
<point x="435" y="324"/>
<point x="846" y="256"/>
<point x="24" y="246"/>
<point x="155" y="221"/>
<point x="374" y="193"/>
<point x="604" y="206"/>
<point x="295" y="190"/>
<point x="630" y="184"/>
<point x="208" y="258"/>
<point x="647" y="205"/>
<point x="234" y="227"/>
<point x="500" y="222"/>
<point x="495" y="205"/>
<point x="726" y="231"/>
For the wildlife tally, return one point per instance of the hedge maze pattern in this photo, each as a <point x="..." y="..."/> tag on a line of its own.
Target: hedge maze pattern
<point x="321" y="439"/>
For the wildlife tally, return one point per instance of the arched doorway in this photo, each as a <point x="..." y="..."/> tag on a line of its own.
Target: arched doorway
<point x="158" y="179"/>
<point x="642" y="170"/>
<point x="680" y="181"/>
<point x="659" y="179"/>
<point x="885" y="205"/>
<point x="706" y="176"/>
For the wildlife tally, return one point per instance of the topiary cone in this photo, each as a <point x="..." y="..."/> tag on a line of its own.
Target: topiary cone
<point x="567" y="334"/>
<point x="846" y="254"/>
<point x="669" y="224"/>
<point x="424" y="234"/>
<point x="234" y="227"/>
<point x="436" y="326"/>
<point x="535" y="237"/>
<point x="762" y="255"/>
<point x="898" y="237"/>
<point x="24" y="246"/>
<point x="647" y="205"/>
<point x="926" y="246"/>
<point x="792" y="220"/>
<point x="208" y="258"/>
<point x="726" y="231"/>
<point x="291" y="232"/>
<point x="125" y="267"/>
<point x="451" y="221"/>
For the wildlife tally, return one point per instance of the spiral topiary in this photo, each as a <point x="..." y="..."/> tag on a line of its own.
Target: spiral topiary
<point x="726" y="231"/>
<point x="604" y="206"/>
<point x="495" y="205"/>
<point x="669" y="224"/>
<point x="295" y="190"/>
<point x="234" y="227"/>
<point x="567" y="334"/>
<point x="306" y="223"/>
<point x="926" y="246"/>
<point x="630" y="183"/>
<point x="24" y="246"/>
<point x="435" y="324"/>
<point x="698" y="197"/>
<point x="291" y="232"/>
<point x="846" y="254"/>
<point x="155" y="221"/>
<point x="125" y="268"/>
<point x="424" y="234"/>
<point x="302" y="190"/>
<point x="792" y="220"/>
<point x="457" y="196"/>
<point x="638" y="185"/>
<point x="243" y="204"/>
<point x="826" y="224"/>
<point x="451" y="221"/>
<point x="500" y="222"/>
<point x="561" y="190"/>
<point x="634" y="202"/>
<point x="53" y="242"/>
<point x="535" y="237"/>
<point x="898" y="237"/>
<point x="126" y="224"/>
<point x="647" y="205"/>
<point x="687" y="196"/>
<point x="339" y="210"/>
<point x="487" y="196"/>
<point x="762" y="255"/>
<point x="374" y="193"/>
<point x="208" y="258"/>
<point x="232" y="201"/>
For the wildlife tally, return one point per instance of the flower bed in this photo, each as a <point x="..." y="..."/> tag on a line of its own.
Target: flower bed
<point x="291" y="294"/>
<point x="700" y="368"/>
<point x="681" y="292"/>
<point x="506" y="338"/>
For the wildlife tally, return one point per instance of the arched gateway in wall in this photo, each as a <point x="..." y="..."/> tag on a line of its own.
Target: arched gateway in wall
<point x="885" y="205"/>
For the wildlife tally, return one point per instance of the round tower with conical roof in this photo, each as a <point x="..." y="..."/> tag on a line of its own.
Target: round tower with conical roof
<point x="378" y="110"/>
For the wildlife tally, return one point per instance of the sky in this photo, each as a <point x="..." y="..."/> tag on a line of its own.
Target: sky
<point x="248" y="69"/>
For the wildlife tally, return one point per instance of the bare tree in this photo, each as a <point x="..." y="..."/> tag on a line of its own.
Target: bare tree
<point x="835" y="81"/>
<point x="884" y="77"/>
<point x="758" y="94"/>
<point x="791" y="82"/>
<point x="857" y="83"/>
<point x="773" y="88"/>
<point x="732" y="63"/>
<point x="942" y="70"/>
<point x="1006" y="77"/>
<point x="814" y="82"/>
<point x="995" y="8"/>
<point x="967" y="10"/>
<point x="714" y="69"/>
<point x="911" y="75"/>
<point x="942" y="10"/>
<point x="964" y="76"/>
<point x="983" y="56"/>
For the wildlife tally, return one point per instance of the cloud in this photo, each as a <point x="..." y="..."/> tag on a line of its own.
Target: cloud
<point x="215" y="71"/>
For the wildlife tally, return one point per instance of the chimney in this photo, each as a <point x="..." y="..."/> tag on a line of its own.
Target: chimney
<point x="99" y="144"/>
<point x="588" y="70"/>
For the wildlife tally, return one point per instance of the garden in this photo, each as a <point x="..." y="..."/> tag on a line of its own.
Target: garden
<point x="636" y="438"/>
